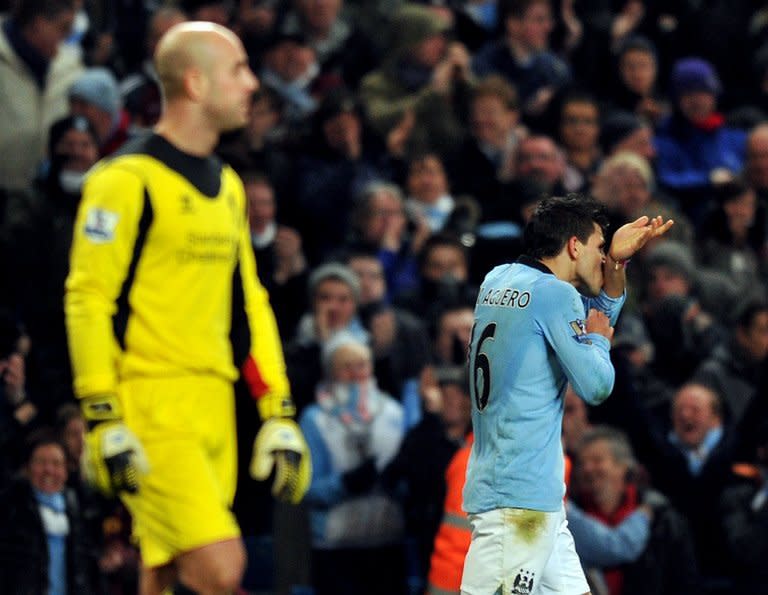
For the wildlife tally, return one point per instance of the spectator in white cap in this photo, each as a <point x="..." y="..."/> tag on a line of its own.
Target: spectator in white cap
<point x="96" y="95"/>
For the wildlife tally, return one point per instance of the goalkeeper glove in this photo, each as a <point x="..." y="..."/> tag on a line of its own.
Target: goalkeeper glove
<point x="281" y="445"/>
<point x="113" y="457"/>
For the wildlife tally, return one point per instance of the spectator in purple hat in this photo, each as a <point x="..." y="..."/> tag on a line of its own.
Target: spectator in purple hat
<point x="695" y="148"/>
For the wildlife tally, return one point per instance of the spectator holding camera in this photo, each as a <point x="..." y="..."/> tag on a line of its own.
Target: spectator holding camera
<point x="381" y="224"/>
<point x="424" y="77"/>
<point x="443" y="279"/>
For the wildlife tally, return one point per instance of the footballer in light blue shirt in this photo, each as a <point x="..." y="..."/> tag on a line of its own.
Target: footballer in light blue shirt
<point x="540" y="323"/>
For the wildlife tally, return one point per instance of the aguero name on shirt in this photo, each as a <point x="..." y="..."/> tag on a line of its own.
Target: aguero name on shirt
<point x="505" y="297"/>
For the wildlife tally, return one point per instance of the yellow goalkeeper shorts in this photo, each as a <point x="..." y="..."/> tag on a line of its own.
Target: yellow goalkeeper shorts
<point x="187" y="428"/>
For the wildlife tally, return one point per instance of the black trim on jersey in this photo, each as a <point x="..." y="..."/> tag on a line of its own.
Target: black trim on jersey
<point x="240" y="331"/>
<point x="120" y="319"/>
<point x="533" y="263"/>
<point x="204" y="173"/>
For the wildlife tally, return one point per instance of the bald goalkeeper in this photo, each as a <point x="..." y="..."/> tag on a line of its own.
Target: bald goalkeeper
<point x="164" y="311"/>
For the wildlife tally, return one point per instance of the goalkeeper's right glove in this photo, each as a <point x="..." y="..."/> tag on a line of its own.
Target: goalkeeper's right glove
<point x="281" y="445"/>
<point x="113" y="458"/>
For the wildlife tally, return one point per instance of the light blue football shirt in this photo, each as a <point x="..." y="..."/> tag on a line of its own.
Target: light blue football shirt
<point x="528" y="342"/>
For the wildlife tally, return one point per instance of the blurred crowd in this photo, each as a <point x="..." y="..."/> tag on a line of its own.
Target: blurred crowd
<point x="393" y="155"/>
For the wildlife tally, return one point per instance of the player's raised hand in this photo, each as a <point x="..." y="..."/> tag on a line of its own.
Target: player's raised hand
<point x="113" y="458"/>
<point x="629" y="238"/>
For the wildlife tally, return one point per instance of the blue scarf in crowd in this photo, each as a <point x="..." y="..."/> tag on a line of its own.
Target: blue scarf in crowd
<point x="53" y="512"/>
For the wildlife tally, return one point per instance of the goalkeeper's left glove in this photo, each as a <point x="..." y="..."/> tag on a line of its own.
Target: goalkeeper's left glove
<point x="280" y="445"/>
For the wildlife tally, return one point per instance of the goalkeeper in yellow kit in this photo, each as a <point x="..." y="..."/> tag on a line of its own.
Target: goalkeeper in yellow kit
<point x="162" y="282"/>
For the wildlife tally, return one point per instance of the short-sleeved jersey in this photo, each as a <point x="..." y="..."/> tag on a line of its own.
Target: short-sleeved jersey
<point x="160" y="253"/>
<point x="528" y="342"/>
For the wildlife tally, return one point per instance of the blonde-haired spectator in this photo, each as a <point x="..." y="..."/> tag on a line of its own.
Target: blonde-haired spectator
<point x="626" y="184"/>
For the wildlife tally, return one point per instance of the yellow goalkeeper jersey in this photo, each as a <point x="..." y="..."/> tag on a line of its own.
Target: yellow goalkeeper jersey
<point x="162" y="271"/>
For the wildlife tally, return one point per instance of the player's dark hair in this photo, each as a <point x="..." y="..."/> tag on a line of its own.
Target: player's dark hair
<point x="26" y="11"/>
<point x="557" y="219"/>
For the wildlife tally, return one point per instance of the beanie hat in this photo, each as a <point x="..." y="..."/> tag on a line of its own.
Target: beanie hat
<point x="412" y="24"/>
<point x="64" y="125"/>
<point x="617" y="126"/>
<point x="338" y="272"/>
<point x="673" y="255"/>
<point x="694" y="74"/>
<point x="98" y="87"/>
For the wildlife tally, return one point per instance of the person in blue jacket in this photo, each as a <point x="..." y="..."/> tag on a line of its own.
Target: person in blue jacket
<point x="695" y="149"/>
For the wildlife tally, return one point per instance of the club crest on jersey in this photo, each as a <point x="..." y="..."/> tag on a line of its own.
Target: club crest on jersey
<point x="100" y="225"/>
<point x="579" y="328"/>
<point x="523" y="584"/>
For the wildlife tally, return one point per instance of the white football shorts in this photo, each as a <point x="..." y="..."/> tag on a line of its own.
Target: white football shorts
<point x="515" y="551"/>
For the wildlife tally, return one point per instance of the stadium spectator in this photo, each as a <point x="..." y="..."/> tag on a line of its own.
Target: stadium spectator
<point x="398" y="339"/>
<point x="485" y="162"/>
<point x="36" y="71"/>
<point x="605" y="486"/>
<point x="334" y="294"/>
<point x="381" y="224"/>
<point x="443" y="278"/>
<point x="344" y="53"/>
<point x="423" y="77"/>
<point x="45" y="548"/>
<point x="95" y="95"/>
<point x="353" y="430"/>
<point x="522" y="54"/>
<point x="140" y="90"/>
<point x="756" y="167"/>
<point x="540" y="159"/>
<point x="637" y="87"/>
<point x="578" y="134"/>
<point x="40" y="226"/>
<point x="733" y="237"/>
<point x="695" y="147"/>
<point x="744" y="516"/>
<point x="624" y="131"/>
<point x="419" y="468"/>
<point x="733" y="369"/>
